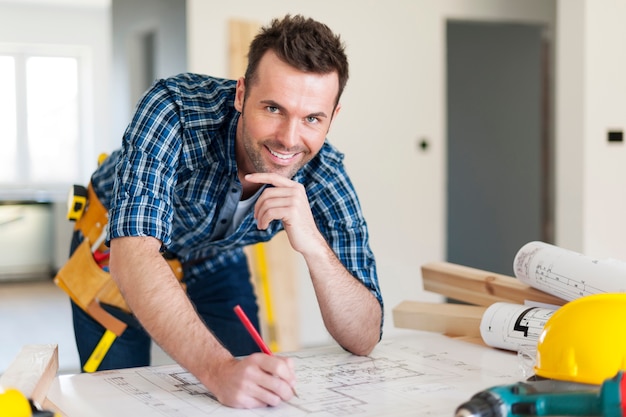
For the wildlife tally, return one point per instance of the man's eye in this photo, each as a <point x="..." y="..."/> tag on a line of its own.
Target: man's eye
<point x="272" y="109"/>
<point x="312" y="119"/>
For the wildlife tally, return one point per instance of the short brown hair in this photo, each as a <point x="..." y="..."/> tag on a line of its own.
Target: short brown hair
<point x="303" y="43"/>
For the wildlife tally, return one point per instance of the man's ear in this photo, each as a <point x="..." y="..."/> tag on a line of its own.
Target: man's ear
<point x="335" y="113"/>
<point x="240" y="93"/>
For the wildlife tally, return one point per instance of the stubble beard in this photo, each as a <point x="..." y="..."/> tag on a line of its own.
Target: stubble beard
<point x="255" y="149"/>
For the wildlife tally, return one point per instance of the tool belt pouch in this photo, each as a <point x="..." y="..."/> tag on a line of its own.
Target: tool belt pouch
<point x="84" y="280"/>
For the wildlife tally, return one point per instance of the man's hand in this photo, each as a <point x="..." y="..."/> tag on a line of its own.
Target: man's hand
<point x="258" y="380"/>
<point x="287" y="201"/>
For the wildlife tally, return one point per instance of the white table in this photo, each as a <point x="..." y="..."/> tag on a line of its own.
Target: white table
<point x="422" y="373"/>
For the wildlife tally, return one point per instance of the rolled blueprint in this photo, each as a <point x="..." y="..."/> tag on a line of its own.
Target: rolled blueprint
<point x="567" y="274"/>
<point x="513" y="326"/>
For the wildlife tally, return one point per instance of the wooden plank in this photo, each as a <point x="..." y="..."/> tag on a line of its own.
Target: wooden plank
<point x="277" y="296"/>
<point x="480" y="287"/>
<point x="282" y="267"/>
<point x="32" y="371"/>
<point x="456" y="320"/>
<point x="240" y="34"/>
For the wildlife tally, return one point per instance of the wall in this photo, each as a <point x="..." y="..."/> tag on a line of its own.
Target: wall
<point x="394" y="99"/>
<point x="605" y="109"/>
<point x="165" y="20"/>
<point x="591" y="101"/>
<point x="494" y="115"/>
<point x="569" y="123"/>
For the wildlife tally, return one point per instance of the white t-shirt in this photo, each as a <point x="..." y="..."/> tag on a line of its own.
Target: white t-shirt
<point x="240" y="212"/>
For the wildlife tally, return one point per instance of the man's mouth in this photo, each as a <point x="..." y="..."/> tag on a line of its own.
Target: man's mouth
<point x="283" y="156"/>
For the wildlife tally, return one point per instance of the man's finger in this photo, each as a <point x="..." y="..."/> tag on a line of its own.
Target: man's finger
<point x="269" y="178"/>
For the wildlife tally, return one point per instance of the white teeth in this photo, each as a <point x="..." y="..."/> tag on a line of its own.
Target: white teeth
<point x="282" y="156"/>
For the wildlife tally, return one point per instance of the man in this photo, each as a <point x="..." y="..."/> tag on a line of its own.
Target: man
<point x="208" y="166"/>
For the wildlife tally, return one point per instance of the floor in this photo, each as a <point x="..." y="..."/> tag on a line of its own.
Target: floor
<point x="38" y="312"/>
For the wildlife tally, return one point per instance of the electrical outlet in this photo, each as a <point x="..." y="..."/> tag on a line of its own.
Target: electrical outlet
<point x="616" y="136"/>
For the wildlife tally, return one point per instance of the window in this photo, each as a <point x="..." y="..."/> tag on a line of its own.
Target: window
<point x="8" y="120"/>
<point x="39" y="119"/>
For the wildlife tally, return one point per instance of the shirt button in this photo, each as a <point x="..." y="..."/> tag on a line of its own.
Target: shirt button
<point x="223" y="221"/>
<point x="233" y="190"/>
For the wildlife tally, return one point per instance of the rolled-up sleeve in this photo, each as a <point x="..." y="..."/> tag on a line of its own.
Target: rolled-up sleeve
<point x="146" y="169"/>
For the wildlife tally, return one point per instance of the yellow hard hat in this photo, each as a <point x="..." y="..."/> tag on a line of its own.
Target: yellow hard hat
<point x="584" y="340"/>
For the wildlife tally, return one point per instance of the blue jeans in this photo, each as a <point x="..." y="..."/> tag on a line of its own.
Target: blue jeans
<point x="213" y="296"/>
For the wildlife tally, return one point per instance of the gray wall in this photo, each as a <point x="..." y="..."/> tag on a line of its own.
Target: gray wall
<point x="149" y="42"/>
<point x="496" y="170"/>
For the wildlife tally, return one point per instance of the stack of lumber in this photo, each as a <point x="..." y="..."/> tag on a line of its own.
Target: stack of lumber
<point x="473" y="290"/>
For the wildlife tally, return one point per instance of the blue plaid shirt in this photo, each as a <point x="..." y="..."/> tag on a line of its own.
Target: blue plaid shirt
<point x="175" y="179"/>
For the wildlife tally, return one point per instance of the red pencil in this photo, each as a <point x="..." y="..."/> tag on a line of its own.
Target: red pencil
<point x="255" y="335"/>
<point x="250" y="328"/>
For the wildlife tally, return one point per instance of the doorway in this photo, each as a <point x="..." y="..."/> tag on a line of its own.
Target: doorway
<point x="499" y="168"/>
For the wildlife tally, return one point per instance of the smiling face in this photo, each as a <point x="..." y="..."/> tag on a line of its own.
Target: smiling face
<point x="285" y="116"/>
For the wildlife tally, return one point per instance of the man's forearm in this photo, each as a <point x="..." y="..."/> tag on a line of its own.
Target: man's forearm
<point x="351" y="313"/>
<point x="161" y="305"/>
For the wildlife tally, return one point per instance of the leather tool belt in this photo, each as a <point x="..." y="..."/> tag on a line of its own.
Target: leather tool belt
<point x="87" y="281"/>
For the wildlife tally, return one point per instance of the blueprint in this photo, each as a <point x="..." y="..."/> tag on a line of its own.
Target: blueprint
<point x="512" y="326"/>
<point x="567" y="274"/>
<point x="427" y="375"/>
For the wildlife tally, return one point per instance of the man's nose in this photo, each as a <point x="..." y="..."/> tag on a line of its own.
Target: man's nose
<point x="289" y="133"/>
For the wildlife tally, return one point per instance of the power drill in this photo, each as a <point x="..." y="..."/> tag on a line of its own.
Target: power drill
<point x="549" y="398"/>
